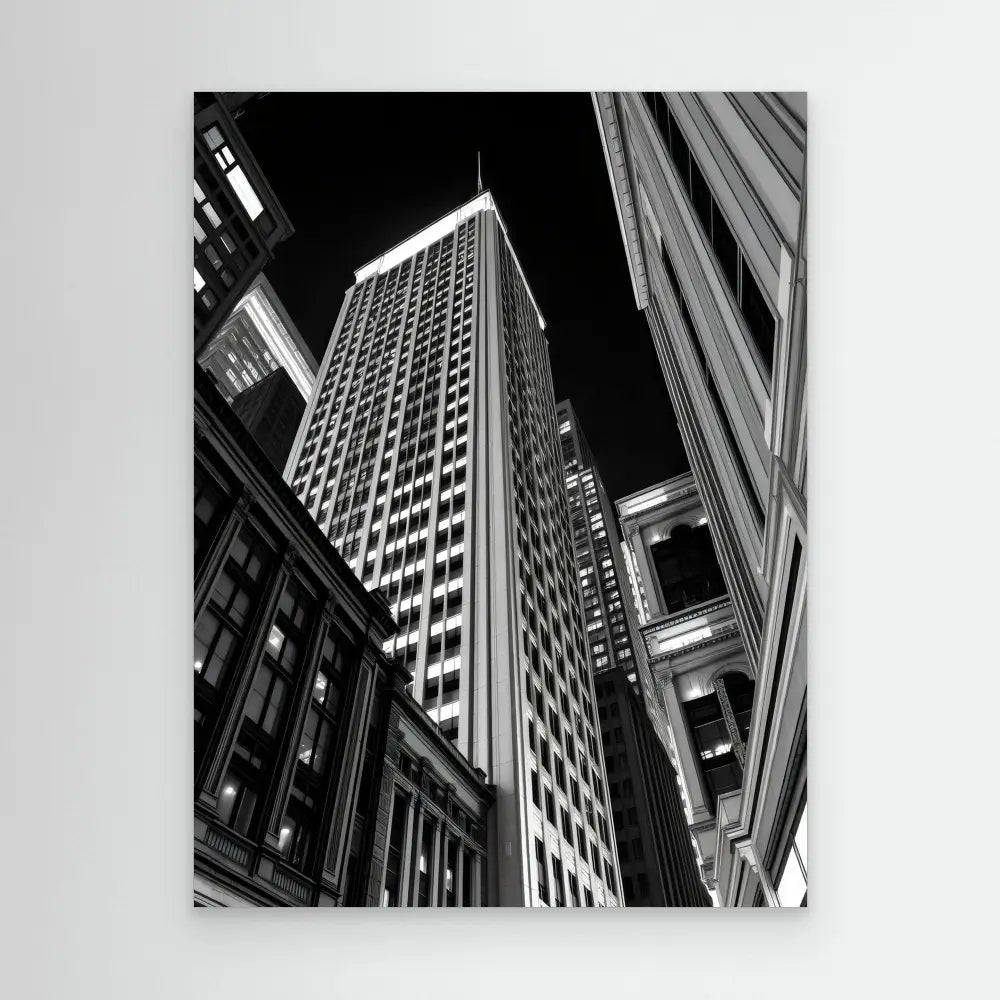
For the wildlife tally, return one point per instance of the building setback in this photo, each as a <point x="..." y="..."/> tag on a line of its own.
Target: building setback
<point x="306" y="746"/>
<point x="238" y="220"/>
<point x="271" y="410"/>
<point x="257" y="338"/>
<point x="429" y="456"/>
<point x="710" y="191"/>
<point x="654" y="846"/>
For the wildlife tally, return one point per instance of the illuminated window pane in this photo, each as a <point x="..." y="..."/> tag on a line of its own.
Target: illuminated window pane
<point x="245" y="192"/>
<point x="199" y="281"/>
<point x="199" y="233"/>
<point x="792" y="884"/>
<point x="213" y="216"/>
<point x="213" y="137"/>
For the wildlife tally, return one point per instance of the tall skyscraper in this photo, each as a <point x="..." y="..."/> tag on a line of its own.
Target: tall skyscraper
<point x="710" y="191"/>
<point x="655" y="849"/>
<point x="429" y="454"/>
<point x="611" y="617"/>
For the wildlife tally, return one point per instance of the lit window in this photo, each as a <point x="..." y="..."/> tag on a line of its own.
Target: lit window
<point x="213" y="216"/>
<point x="245" y="192"/>
<point x="213" y="137"/>
<point x="199" y="281"/>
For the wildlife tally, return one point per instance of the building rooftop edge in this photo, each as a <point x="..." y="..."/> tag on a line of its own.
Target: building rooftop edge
<point x="667" y="484"/>
<point x="436" y="230"/>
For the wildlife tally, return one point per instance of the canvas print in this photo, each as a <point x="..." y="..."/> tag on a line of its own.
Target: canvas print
<point x="500" y="499"/>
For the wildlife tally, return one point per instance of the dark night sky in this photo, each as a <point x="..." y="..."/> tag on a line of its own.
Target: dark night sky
<point x="358" y="173"/>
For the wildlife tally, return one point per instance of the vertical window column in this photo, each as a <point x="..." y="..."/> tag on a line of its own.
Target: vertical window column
<point x="276" y="799"/>
<point x="335" y="826"/>
<point x="218" y="549"/>
<point x="219" y="745"/>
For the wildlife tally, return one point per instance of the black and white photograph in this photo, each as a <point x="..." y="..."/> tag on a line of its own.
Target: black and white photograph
<point x="500" y="546"/>
<point x="475" y="531"/>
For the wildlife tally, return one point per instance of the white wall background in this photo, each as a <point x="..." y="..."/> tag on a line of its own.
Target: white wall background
<point x="96" y="437"/>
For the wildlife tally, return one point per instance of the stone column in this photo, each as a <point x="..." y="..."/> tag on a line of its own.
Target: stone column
<point x="687" y="758"/>
<point x="459" y="872"/>
<point x="445" y="846"/>
<point x="407" y="854"/>
<point x="219" y="746"/>
<point x="435" y="872"/>
<point x="477" y="880"/>
<point x="338" y="817"/>
<point x="650" y="582"/>
<point x="418" y="846"/>
<point x="218" y="550"/>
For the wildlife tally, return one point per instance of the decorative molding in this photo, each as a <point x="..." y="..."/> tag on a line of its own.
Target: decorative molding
<point x="245" y="501"/>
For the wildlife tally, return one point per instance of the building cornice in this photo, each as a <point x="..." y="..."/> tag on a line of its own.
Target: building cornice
<point x="610" y="129"/>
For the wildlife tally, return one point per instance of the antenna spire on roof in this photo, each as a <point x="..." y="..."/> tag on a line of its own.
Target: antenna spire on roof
<point x="479" y="175"/>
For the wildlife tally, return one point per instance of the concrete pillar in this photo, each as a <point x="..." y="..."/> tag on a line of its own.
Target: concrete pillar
<point x="435" y="872"/>
<point x="418" y="846"/>
<point x="686" y="757"/>
<point x="407" y="854"/>
<point x="459" y="872"/>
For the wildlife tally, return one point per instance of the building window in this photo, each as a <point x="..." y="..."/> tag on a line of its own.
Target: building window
<point x="732" y="262"/>
<point x="543" y="878"/>
<point x="219" y="632"/>
<point x="792" y="883"/>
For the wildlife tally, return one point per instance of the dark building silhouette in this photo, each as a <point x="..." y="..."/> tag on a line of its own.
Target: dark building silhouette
<point x="657" y="857"/>
<point x="272" y="410"/>
<point x="238" y="220"/>
<point x="307" y="748"/>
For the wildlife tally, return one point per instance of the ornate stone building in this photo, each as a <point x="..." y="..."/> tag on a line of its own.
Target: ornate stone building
<point x="693" y="646"/>
<point x="710" y="191"/>
<point x="306" y="745"/>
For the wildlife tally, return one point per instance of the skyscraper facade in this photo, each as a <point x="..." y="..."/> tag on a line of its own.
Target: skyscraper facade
<point x="710" y="191"/>
<point x="429" y="455"/>
<point x="610" y="614"/>
<point x="257" y="338"/>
